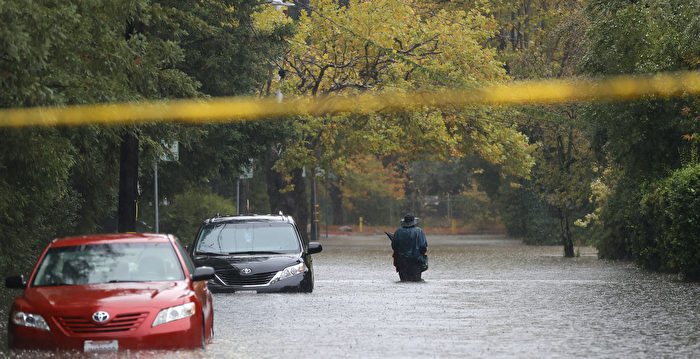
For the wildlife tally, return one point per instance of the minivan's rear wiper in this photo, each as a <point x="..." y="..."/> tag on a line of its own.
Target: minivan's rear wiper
<point x="256" y="252"/>
<point x="211" y="253"/>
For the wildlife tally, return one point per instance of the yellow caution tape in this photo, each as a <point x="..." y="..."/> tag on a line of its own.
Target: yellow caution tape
<point x="619" y="88"/>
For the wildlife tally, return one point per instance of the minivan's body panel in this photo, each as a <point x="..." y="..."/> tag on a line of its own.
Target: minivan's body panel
<point x="255" y="253"/>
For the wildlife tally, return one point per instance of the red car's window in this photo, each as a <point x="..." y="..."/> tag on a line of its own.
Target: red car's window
<point x="185" y="256"/>
<point x="108" y="263"/>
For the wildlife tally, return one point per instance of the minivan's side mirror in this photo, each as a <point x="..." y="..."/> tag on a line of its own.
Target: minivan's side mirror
<point x="315" y="247"/>
<point x="203" y="273"/>
<point x="15" y="282"/>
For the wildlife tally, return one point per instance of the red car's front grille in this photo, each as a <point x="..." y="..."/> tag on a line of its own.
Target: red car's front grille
<point x="120" y="323"/>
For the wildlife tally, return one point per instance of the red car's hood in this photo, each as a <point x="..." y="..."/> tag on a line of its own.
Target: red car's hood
<point x="137" y="294"/>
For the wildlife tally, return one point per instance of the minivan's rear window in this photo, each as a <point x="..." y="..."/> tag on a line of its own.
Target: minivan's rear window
<point x="247" y="238"/>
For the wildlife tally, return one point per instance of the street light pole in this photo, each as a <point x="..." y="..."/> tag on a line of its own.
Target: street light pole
<point x="155" y="190"/>
<point x="315" y="212"/>
<point x="238" y="196"/>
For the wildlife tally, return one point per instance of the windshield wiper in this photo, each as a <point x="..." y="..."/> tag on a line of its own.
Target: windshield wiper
<point x="211" y="253"/>
<point x="54" y="284"/>
<point x="256" y="252"/>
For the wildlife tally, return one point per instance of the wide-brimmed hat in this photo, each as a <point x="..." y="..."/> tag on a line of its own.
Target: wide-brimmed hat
<point x="409" y="220"/>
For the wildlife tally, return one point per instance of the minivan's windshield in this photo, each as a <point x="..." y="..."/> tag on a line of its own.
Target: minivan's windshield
<point x="109" y="263"/>
<point x="247" y="237"/>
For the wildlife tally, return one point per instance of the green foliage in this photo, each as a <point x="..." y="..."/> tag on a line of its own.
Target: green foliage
<point x="56" y="182"/>
<point x="464" y="182"/>
<point x="526" y="215"/>
<point x="36" y="200"/>
<point x="644" y="139"/>
<point x="642" y="36"/>
<point x="611" y="232"/>
<point x="643" y="136"/>
<point x="227" y="55"/>
<point x="186" y="211"/>
<point x="224" y="51"/>
<point x="212" y="154"/>
<point x="395" y="46"/>
<point x="672" y="211"/>
<point x="542" y="39"/>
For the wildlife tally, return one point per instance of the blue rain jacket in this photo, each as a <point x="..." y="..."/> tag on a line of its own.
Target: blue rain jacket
<point x="410" y="242"/>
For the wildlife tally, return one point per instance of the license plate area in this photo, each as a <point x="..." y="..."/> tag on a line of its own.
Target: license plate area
<point x="101" y="345"/>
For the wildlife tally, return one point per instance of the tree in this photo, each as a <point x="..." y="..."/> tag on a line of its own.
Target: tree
<point x="376" y="46"/>
<point x="223" y="51"/>
<point x="641" y="140"/>
<point x="370" y="190"/>
<point x="541" y="39"/>
<point x="565" y="172"/>
<point x="60" y="53"/>
<point x="228" y="55"/>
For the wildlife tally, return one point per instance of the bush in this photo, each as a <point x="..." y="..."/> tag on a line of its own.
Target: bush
<point x="542" y="227"/>
<point x="186" y="211"/>
<point x="527" y="216"/>
<point x="672" y="214"/>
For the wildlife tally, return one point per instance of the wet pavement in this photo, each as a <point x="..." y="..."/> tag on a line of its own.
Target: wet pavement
<point x="483" y="296"/>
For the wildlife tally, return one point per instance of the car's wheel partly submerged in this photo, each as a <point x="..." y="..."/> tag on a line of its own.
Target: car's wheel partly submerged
<point x="307" y="285"/>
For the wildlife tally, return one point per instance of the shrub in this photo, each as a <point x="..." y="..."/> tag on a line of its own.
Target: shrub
<point x="186" y="211"/>
<point x="672" y="212"/>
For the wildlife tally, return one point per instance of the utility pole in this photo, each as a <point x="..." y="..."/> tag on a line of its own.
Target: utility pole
<point x="128" y="183"/>
<point x="155" y="190"/>
<point x="246" y="174"/>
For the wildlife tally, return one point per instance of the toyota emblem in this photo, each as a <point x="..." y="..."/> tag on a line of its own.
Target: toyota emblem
<point x="100" y="317"/>
<point x="246" y="271"/>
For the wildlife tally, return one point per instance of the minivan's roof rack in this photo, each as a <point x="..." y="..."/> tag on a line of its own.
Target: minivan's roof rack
<point x="242" y="217"/>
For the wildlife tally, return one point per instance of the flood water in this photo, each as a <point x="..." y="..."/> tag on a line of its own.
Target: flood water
<point x="483" y="296"/>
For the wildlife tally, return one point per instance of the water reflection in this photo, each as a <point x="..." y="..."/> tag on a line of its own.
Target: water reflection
<point x="483" y="297"/>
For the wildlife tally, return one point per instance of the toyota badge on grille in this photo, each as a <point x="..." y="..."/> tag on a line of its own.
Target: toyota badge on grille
<point x="100" y="317"/>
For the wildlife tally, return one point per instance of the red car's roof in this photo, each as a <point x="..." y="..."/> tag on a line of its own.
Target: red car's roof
<point x="111" y="238"/>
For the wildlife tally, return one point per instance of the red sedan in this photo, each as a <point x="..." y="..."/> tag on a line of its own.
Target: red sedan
<point x="110" y="292"/>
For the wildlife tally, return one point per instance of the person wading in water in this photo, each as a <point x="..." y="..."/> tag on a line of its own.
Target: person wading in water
<point x="409" y="245"/>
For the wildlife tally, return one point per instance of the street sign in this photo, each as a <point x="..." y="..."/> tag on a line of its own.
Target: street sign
<point x="247" y="170"/>
<point x="172" y="151"/>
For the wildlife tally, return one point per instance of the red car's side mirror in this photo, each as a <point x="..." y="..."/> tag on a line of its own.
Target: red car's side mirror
<point x="203" y="273"/>
<point x="15" y="282"/>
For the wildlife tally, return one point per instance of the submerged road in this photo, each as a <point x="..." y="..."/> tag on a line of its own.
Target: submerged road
<point x="483" y="296"/>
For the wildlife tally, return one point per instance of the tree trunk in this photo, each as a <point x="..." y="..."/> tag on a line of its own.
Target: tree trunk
<point x="128" y="183"/>
<point x="566" y="234"/>
<point x="312" y="208"/>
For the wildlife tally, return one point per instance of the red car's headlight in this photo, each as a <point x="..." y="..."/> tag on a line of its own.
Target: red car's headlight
<point x="174" y="313"/>
<point x="29" y="320"/>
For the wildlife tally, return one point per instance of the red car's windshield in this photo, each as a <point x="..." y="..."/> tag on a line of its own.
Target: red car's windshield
<point x="108" y="263"/>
